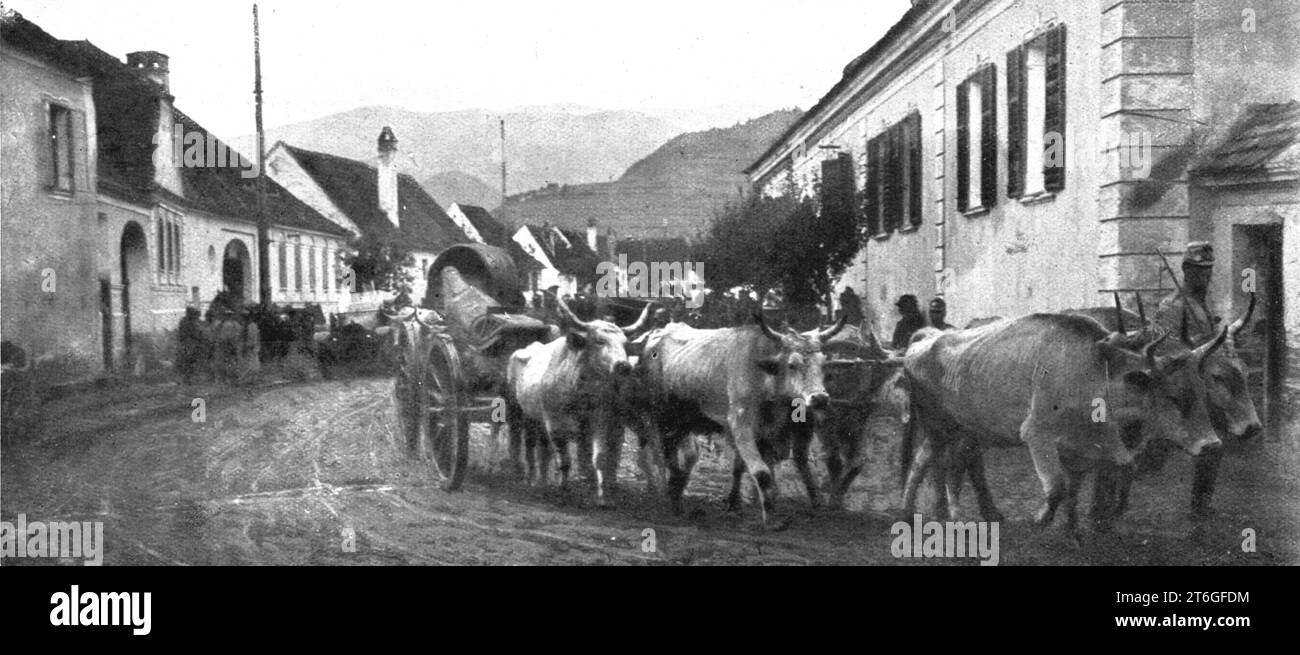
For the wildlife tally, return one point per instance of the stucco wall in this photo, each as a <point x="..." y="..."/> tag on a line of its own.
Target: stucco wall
<point x="45" y="235"/>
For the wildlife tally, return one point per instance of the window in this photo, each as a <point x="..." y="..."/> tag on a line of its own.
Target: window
<point x="325" y="270"/>
<point x="311" y="269"/>
<point x="297" y="266"/>
<point x="169" y="246"/>
<point x="977" y="140"/>
<point x="837" y="185"/>
<point x="62" y="148"/>
<point x="284" y="265"/>
<point x="1036" y="115"/>
<point x="894" y="185"/>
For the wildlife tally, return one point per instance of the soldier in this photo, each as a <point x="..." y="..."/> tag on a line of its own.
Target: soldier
<point x="939" y="314"/>
<point x="192" y="345"/>
<point x="911" y="321"/>
<point x="1198" y="267"/>
<point x="851" y="306"/>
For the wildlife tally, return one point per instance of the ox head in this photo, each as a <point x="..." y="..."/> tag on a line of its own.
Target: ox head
<point x="796" y="370"/>
<point x="1230" y="405"/>
<point x="1165" y="396"/>
<point x="601" y="343"/>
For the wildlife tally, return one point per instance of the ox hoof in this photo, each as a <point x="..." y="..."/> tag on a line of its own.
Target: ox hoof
<point x="1202" y="512"/>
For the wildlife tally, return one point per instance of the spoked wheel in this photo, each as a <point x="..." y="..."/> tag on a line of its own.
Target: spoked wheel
<point x="445" y="426"/>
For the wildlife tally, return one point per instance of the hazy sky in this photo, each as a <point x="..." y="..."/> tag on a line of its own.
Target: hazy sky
<point x="322" y="57"/>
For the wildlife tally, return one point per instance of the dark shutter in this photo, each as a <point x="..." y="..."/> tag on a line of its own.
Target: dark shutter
<point x="837" y="186"/>
<point x="45" y="147"/>
<point x="915" y="198"/>
<point x="1054" y="176"/>
<point x="894" y="179"/>
<point x="989" y="140"/>
<point x="872" y="207"/>
<point x="79" y="156"/>
<point x="1016" y="122"/>
<point x="963" y="146"/>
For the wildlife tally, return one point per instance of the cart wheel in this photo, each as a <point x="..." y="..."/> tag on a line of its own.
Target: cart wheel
<point x="406" y="392"/>
<point x="445" y="424"/>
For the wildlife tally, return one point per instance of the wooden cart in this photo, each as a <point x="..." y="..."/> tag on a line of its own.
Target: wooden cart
<point x="452" y="351"/>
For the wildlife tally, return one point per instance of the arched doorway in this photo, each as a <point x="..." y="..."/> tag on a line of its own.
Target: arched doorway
<point x="133" y="253"/>
<point x="236" y="268"/>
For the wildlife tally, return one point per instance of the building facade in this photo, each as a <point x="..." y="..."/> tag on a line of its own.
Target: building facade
<point x="1028" y="155"/>
<point x="133" y="209"/>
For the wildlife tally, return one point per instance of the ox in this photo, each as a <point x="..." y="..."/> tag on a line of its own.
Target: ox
<point x="1230" y="406"/>
<point x="743" y="382"/>
<point x="568" y="390"/>
<point x="862" y="379"/>
<point x="1040" y="380"/>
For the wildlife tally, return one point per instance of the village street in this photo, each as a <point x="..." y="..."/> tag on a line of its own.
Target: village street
<point x="287" y="473"/>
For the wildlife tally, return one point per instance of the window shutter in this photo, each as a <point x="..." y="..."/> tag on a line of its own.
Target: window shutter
<point x="894" y="180"/>
<point x="873" y="186"/>
<point x="45" y="147"/>
<point x="80" y="156"/>
<point x="963" y="147"/>
<point x="914" y="199"/>
<point x="989" y="142"/>
<point x="1016" y="122"/>
<point x="1054" y="176"/>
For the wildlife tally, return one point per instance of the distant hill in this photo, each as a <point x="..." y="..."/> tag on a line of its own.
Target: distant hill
<point x="455" y="186"/>
<point x="672" y="192"/>
<point x="543" y="144"/>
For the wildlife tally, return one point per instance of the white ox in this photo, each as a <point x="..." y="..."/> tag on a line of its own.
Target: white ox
<point x="568" y="390"/>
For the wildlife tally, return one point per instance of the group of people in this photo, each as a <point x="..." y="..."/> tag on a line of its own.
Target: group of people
<point x="910" y="317"/>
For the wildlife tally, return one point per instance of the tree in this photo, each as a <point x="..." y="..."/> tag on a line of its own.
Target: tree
<point x="385" y="265"/>
<point x="784" y="242"/>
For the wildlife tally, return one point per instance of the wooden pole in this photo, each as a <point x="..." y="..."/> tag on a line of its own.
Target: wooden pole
<point x="263" y="227"/>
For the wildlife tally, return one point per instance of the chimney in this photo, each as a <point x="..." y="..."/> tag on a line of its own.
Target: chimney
<point x="591" y="235"/>
<point x="152" y="65"/>
<point x="388" y="175"/>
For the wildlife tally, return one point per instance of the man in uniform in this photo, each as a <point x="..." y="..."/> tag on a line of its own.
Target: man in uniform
<point x="939" y="314"/>
<point x="910" y="322"/>
<point x="1198" y="268"/>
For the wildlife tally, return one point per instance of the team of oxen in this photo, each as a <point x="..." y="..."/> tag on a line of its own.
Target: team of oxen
<point x="1086" y="391"/>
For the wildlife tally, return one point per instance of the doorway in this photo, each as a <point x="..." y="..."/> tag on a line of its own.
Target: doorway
<point x="134" y="263"/>
<point x="236" y="266"/>
<point x="1259" y="248"/>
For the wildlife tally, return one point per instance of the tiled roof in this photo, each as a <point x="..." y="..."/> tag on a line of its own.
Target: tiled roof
<point x="1265" y="139"/>
<point x="353" y="187"/>
<point x="567" y="250"/>
<point x="492" y="231"/>
<point x="127" y="109"/>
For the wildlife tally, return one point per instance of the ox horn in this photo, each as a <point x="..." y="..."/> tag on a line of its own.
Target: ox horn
<point x="1119" y="315"/>
<point x="767" y="330"/>
<point x="1142" y="310"/>
<point x="830" y="332"/>
<point x="640" y="322"/>
<point x="569" y="315"/>
<point x="1149" y="352"/>
<point x="1203" y="353"/>
<point x="1240" y="324"/>
<point x="1182" y="330"/>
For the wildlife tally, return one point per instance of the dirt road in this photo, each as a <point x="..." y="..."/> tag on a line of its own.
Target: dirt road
<point x="313" y="473"/>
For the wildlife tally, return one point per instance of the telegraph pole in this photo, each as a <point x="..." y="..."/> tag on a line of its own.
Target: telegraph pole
<point x="263" y="227"/>
<point x="502" y="211"/>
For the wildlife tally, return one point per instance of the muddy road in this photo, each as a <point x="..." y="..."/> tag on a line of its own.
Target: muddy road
<point x="313" y="473"/>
